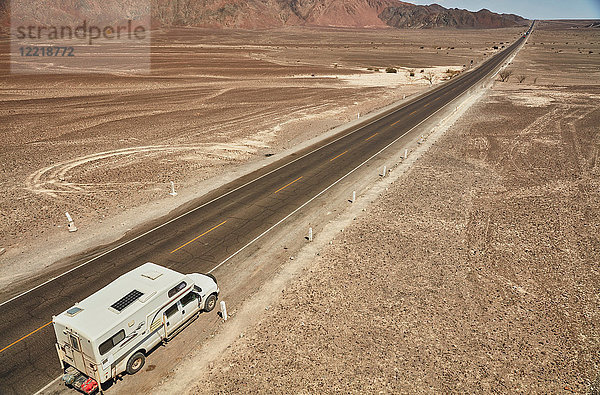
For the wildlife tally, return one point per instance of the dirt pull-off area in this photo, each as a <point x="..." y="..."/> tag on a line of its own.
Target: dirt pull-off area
<point x="477" y="273"/>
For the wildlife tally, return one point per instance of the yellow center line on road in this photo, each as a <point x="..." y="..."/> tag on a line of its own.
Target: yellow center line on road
<point x="26" y="336"/>
<point x="395" y="123"/>
<point x="332" y="159"/>
<point x="413" y="112"/>
<point x="196" y="238"/>
<point x="369" y="138"/>
<point x="285" y="186"/>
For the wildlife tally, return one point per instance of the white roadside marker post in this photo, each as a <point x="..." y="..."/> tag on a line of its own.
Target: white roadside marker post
<point x="310" y="234"/>
<point x="384" y="171"/>
<point x="405" y="153"/>
<point x="353" y="196"/>
<point x="358" y="116"/>
<point x="223" y="311"/>
<point x="71" y="226"/>
<point x="173" y="193"/>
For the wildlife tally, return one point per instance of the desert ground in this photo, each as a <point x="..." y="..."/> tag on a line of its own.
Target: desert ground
<point x="476" y="273"/>
<point x="105" y="147"/>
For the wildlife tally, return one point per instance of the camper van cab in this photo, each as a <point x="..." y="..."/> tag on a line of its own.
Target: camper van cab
<point x="111" y="331"/>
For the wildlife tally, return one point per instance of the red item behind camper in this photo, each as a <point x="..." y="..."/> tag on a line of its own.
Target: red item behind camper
<point x="89" y="386"/>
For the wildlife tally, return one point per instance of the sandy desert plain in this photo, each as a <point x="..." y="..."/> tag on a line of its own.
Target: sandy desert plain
<point x="488" y="279"/>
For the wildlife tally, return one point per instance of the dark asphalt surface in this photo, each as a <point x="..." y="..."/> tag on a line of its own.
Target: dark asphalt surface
<point x="235" y="219"/>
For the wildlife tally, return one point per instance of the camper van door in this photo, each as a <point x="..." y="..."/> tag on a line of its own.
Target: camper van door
<point x="73" y="352"/>
<point x="188" y="305"/>
<point x="172" y="318"/>
<point x="181" y="311"/>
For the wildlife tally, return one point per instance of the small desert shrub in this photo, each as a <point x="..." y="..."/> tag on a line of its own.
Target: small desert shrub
<point x="505" y="75"/>
<point x="391" y="70"/>
<point x="535" y="80"/>
<point x="452" y="73"/>
<point x="429" y="77"/>
<point x="521" y="78"/>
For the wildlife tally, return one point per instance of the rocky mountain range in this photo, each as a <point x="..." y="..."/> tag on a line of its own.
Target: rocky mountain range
<point x="344" y="13"/>
<point x="260" y="14"/>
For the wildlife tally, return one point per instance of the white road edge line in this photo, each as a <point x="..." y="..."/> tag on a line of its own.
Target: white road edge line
<point x="516" y="50"/>
<point x="48" y="385"/>
<point x="324" y="190"/>
<point x="199" y="207"/>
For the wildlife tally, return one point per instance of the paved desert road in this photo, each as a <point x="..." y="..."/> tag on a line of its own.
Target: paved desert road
<point x="205" y="235"/>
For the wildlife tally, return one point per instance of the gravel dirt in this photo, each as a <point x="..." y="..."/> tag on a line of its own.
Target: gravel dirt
<point x="476" y="273"/>
<point x="104" y="147"/>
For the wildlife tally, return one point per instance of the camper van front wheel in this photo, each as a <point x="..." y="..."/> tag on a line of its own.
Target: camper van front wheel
<point x="210" y="303"/>
<point x="136" y="362"/>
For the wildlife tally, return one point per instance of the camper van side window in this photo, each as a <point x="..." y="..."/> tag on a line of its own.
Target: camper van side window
<point x="176" y="289"/>
<point x="110" y="343"/>
<point x="187" y="299"/>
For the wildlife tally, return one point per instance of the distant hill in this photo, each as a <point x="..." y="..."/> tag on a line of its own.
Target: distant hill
<point x="260" y="14"/>
<point x="431" y="16"/>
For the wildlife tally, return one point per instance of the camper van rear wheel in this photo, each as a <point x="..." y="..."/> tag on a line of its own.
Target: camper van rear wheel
<point x="210" y="303"/>
<point x="136" y="362"/>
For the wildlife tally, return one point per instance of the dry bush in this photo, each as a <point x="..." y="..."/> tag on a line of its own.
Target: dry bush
<point x="505" y="75"/>
<point x="429" y="76"/>
<point x="452" y="73"/>
<point x="391" y="70"/>
<point x="521" y="78"/>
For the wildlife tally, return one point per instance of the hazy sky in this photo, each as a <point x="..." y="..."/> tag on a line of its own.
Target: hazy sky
<point x="531" y="9"/>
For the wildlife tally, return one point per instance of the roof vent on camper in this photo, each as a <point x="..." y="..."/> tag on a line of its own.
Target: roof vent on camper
<point x="152" y="275"/>
<point x="126" y="300"/>
<point x="74" y="311"/>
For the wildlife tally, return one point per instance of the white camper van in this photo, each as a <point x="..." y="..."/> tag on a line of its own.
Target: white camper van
<point x="111" y="331"/>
